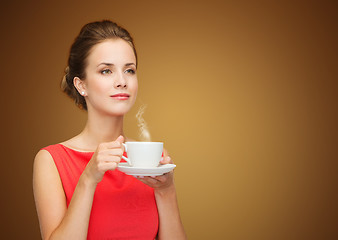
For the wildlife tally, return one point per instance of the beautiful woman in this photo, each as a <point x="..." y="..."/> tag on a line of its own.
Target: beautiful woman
<point x="79" y="192"/>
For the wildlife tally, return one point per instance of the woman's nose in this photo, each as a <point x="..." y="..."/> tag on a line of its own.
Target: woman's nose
<point x="120" y="82"/>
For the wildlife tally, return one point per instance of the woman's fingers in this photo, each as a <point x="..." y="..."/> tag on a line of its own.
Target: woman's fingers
<point x="105" y="166"/>
<point x="162" y="178"/>
<point x="109" y="145"/>
<point x="114" y="144"/>
<point x="109" y="165"/>
<point x="158" y="182"/>
<point x="113" y="152"/>
<point x="166" y="160"/>
<point x="152" y="182"/>
<point x="106" y="157"/>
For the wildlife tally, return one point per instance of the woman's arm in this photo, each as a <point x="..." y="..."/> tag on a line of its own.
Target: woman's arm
<point x="170" y="224"/>
<point x="56" y="221"/>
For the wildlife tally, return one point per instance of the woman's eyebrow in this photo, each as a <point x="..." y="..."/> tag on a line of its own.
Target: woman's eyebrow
<point x="111" y="64"/>
<point x="107" y="64"/>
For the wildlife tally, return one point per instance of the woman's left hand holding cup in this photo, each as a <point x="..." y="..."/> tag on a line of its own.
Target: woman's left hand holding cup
<point x="163" y="183"/>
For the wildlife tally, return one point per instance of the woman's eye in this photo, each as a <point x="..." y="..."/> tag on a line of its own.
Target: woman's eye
<point x="130" y="71"/>
<point x="106" y="71"/>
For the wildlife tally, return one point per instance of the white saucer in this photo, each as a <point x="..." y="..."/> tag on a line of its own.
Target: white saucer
<point x="137" y="171"/>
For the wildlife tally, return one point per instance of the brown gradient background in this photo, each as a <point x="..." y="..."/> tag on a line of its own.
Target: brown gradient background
<point x="243" y="93"/>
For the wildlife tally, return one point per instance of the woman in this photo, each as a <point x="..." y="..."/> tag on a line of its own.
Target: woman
<point x="78" y="191"/>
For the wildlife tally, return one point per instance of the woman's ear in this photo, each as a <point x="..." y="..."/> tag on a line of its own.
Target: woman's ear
<point x="80" y="85"/>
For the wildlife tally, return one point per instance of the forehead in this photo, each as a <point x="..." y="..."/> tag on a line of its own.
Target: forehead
<point x="112" y="51"/>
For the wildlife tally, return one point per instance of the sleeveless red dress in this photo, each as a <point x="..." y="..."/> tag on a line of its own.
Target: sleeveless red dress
<point x="123" y="207"/>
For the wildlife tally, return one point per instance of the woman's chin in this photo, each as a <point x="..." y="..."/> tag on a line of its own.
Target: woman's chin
<point x="110" y="110"/>
<point x="118" y="112"/>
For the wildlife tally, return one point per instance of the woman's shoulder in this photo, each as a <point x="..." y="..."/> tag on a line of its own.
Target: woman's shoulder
<point x="49" y="151"/>
<point x="46" y="153"/>
<point x="43" y="159"/>
<point x="72" y="143"/>
<point x="51" y="154"/>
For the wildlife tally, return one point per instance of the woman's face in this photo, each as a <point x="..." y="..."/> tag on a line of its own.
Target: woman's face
<point x="111" y="84"/>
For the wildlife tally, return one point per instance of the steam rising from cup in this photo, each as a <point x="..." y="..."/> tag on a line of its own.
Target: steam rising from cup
<point x="143" y="127"/>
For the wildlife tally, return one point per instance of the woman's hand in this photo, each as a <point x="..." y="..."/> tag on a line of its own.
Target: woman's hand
<point x="106" y="157"/>
<point x="162" y="183"/>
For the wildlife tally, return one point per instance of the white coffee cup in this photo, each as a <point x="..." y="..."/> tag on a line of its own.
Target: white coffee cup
<point x="143" y="154"/>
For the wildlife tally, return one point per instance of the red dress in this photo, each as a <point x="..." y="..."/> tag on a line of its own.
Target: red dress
<point x="123" y="207"/>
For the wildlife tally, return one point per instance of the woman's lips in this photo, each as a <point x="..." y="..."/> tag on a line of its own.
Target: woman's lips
<point x="121" y="96"/>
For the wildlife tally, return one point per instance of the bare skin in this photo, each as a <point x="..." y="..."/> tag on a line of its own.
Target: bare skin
<point x="103" y="135"/>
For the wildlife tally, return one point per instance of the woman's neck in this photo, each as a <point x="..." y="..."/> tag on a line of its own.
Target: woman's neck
<point x="100" y="129"/>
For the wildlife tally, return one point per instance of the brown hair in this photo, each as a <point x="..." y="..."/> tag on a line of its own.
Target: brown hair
<point x="90" y="35"/>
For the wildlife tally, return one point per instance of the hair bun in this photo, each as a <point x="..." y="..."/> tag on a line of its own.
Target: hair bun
<point x="64" y="84"/>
